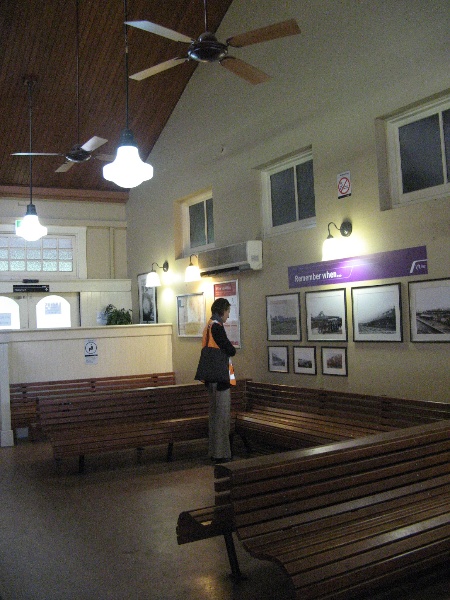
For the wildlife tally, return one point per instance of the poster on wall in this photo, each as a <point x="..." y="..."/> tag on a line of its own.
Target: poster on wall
<point x="191" y="315"/>
<point x="147" y="301"/>
<point x="229" y="290"/>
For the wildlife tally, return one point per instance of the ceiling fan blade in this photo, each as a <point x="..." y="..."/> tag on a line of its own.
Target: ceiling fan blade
<point x="244" y="70"/>
<point x="64" y="167"/>
<point x="271" y="32"/>
<point x="159" y="30"/>
<point x="94" y="143"/>
<point x="105" y="157"/>
<point x="36" y="154"/>
<point x="168" y="64"/>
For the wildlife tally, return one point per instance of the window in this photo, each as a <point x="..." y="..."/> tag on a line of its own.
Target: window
<point x="417" y="150"/>
<point x="198" y="222"/>
<point x="289" y="200"/>
<point x="56" y="256"/>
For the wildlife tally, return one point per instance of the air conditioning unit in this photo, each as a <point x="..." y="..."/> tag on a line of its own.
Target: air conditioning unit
<point x="238" y="257"/>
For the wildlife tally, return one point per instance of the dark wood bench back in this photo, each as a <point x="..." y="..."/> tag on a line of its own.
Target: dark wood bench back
<point x="345" y="518"/>
<point x="394" y="412"/>
<point x="24" y="396"/>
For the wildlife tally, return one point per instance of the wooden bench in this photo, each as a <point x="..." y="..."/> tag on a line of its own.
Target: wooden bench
<point x="288" y="417"/>
<point x="81" y="424"/>
<point x="342" y="519"/>
<point x="23" y="396"/>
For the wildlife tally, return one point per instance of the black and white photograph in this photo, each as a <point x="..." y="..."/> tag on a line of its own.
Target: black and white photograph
<point x="278" y="359"/>
<point x="283" y="317"/>
<point x="429" y="310"/>
<point x="326" y="316"/>
<point x="334" y="361"/>
<point x="147" y="301"/>
<point x="377" y="314"/>
<point x="305" y="360"/>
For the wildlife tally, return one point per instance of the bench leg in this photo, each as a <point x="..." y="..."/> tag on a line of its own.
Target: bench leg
<point x="81" y="463"/>
<point x="247" y="445"/>
<point x="232" y="556"/>
<point x="139" y="452"/>
<point x="170" y="452"/>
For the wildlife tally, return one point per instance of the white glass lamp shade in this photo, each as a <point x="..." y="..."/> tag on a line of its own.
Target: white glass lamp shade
<point x="127" y="170"/>
<point x="29" y="228"/>
<point x="192" y="273"/>
<point x="152" y="279"/>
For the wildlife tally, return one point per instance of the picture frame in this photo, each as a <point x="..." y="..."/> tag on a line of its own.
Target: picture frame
<point x="334" y="361"/>
<point x="377" y="313"/>
<point x="191" y="315"/>
<point x="278" y="357"/>
<point x="283" y="317"/>
<point x="148" y="309"/>
<point x="305" y="360"/>
<point x="429" y="310"/>
<point x="326" y="315"/>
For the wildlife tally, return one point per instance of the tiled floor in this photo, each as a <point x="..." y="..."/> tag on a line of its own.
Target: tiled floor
<point x="110" y="534"/>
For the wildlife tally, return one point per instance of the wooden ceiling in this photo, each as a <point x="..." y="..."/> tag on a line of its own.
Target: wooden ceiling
<point x="38" y="38"/>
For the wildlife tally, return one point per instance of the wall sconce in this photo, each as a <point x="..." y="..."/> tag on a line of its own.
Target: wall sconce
<point x="153" y="279"/>
<point x="332" y="247"/>
<point x="192" y="271"/>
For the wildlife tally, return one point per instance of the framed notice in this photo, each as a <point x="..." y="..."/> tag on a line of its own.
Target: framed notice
<point x="191" y="315"/>
<point x="283" y="317"/>
<point x="230" y="291"/>
<point x="147" y="301"/>
<point x="326" y="316"/>
<point x="377" y="313"/>
<point x="429" y="310"/>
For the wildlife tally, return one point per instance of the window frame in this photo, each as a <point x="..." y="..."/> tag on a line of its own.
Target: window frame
<point x="79" y="256"/>
<point x="198" y="198"/>
<point x="289" y="162"/>
<point x="389" y="159"/>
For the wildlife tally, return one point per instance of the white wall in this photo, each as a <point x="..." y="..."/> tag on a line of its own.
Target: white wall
<point x="353" y="62"/>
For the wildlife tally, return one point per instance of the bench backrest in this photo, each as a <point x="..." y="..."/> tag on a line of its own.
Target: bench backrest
<point x="24" y="396"/>
<point x="295" y="489"/>
<point x="128" y="405"/>
<point x="395" y="412"/>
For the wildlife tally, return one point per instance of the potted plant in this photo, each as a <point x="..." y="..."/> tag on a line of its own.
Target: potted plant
<point x="117" y="316"/>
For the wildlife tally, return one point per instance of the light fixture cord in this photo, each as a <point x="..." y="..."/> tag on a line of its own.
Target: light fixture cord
<point x="77" y="91"/>
<point x="125" y="31"/>
<point x="30" y="112"/>
<point x="206" y="15"/>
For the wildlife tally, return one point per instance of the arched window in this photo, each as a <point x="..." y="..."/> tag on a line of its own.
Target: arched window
<point x="9" y="313"/>
<point x="53" y="311"/>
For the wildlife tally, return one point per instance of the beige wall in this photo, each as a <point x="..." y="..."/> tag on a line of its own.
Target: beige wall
<point x="353" y="62"/>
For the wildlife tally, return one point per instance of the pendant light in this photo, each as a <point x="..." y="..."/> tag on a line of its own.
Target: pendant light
<point x="127" y="170"/>
<point x="29" y="227"/>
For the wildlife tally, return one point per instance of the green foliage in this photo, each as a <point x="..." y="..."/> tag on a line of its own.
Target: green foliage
<point x="117" y="316"/>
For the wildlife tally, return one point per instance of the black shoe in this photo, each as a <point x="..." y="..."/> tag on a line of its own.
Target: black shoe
<point x="219" y="461"/>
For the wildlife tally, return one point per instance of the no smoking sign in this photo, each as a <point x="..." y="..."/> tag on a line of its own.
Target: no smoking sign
<point x="344" y="185"/>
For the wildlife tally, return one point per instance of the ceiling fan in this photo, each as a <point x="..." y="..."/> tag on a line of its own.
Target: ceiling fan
<point x="79" y="153"/>
<point x="206" y="48"/>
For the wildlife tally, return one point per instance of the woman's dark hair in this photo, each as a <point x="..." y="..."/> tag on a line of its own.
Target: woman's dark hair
<point x="219" y="306"/>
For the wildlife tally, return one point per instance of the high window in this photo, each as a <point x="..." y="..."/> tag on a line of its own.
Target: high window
<point x="288" y="194"/>
<point x="198" y="223"/>
<point x="416" y="145"/>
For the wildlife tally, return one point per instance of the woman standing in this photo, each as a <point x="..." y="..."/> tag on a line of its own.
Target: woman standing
<point x="215" y="336"/>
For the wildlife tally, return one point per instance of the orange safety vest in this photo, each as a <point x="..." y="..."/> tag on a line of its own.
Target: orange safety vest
<point x="208" y="340"/>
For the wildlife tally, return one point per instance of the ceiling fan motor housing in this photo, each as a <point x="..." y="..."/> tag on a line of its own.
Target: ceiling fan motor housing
<point x="78" y="155"/>
<point x="207" y="49"/>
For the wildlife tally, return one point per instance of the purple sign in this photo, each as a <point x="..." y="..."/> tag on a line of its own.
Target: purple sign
<point x="383" y="265"/>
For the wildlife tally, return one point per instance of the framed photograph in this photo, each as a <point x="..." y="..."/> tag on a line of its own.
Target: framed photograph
<point x="334" y="361"/>
<point x="326" y="316"/>
<point x="377" y="313"/>
<point x="147" y="301"/>
<point x="429" y="310"/>
<point x="191" y="315"/>
<point x="283" y="317"/>
<point x="305" y="360"/>
<point x="278" y="359"/>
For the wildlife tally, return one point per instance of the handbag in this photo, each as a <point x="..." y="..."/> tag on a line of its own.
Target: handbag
<point x="213" y="366"/>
